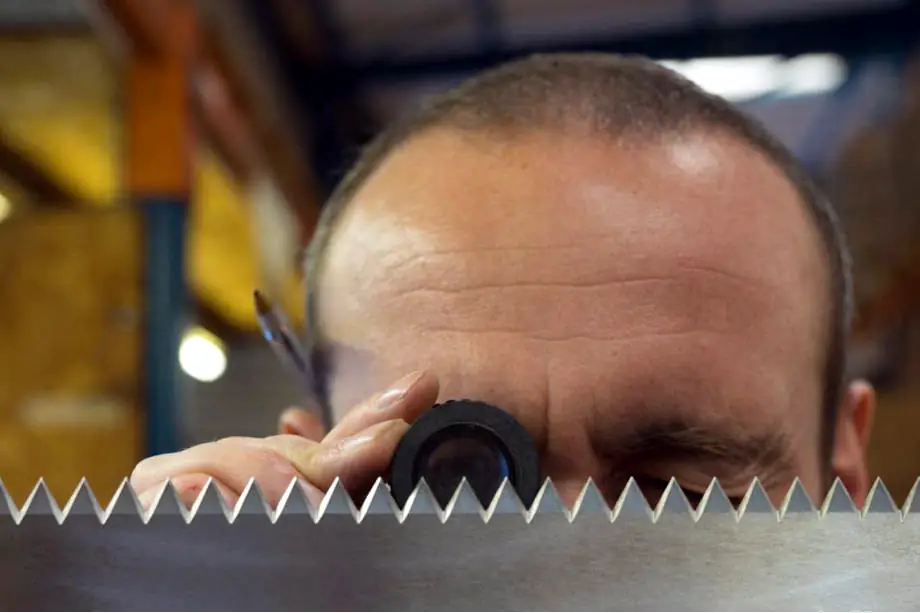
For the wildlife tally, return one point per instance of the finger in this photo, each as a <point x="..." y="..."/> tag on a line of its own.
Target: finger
<point x="358" y="461"/>
<point x="301" y="423"/>
<point x="188" y="489"/>
<point x="232" y="462"/>
<point x="406" y="400"/>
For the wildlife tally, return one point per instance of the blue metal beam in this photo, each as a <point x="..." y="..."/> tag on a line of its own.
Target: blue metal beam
<point x="166" y="317"/>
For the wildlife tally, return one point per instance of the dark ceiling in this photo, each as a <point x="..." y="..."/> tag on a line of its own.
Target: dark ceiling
<point x="345" y="61"/>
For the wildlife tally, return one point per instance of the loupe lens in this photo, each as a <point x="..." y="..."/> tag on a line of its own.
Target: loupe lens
<point x="477" y="458"/>
<point x="465" y="438"/>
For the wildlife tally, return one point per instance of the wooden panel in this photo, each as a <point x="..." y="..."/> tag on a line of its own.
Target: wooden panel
<point x="70" y="292"/>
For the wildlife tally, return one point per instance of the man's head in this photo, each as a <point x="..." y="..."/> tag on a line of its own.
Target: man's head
<point x="632" y="268"/>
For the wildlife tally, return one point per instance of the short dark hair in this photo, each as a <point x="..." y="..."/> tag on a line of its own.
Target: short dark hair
<point x="609" y="95"/>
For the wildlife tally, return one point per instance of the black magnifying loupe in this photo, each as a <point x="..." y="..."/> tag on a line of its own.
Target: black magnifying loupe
<point x="465" y="438"/>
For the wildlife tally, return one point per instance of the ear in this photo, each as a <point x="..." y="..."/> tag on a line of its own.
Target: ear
<point x="851" y="440"/>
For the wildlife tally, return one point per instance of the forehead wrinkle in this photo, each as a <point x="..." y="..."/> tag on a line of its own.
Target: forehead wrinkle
<point x="615" y="309"/>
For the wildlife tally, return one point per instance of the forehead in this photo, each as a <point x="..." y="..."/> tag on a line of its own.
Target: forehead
<point x="550" y="269"/>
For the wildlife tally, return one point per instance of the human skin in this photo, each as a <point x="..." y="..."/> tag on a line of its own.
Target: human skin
<point x="647" y="309"/>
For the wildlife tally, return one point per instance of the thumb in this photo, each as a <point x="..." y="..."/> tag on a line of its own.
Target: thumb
<point x="303" y="423"/>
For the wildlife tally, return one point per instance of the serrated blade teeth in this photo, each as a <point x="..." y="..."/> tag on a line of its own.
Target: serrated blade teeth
<point x="8" y="508"/>
<point x="547" y="502"/>
<point x="838" y="500"/>
<point x="337" y="501"/>
<point x="632" y="503"/>
<point x="797" y="501"/>
<point x="590" y="502"/>
<point x="423" y="502"/>
<point x="83" y="502"/>
<point x="506" y="501"/>
<point x="125" y="503"/>
<point x="756" y="501"/>
<point x="911" y="503"/>
<point x="715" y="502"/>
<point x="211" y="502"/>
<point x="168" y="502"/>
<point x="464" y="501"/>
<point x="673" y="502"/>
<point x="879" y="500"/>
<point x="379" y="501"/>
<point x="294" y="502"/>
<point x="252" y="502"/>
<point x="41" y="502"/>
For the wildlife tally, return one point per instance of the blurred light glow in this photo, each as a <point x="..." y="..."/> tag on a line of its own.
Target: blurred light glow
<point x="202" y="355"/>
<point x="745" y="78"/>
<point x="813" y="74"/>
<point x="5" y="207"/>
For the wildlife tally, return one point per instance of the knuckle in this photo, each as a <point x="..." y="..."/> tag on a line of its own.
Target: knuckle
<point x="144" y="468"/>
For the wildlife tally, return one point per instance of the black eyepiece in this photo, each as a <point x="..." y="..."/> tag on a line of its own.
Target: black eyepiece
<point x="465" y="438"/>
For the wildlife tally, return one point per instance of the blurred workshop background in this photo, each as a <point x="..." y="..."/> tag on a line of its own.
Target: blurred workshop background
<point x="159" y="159"/>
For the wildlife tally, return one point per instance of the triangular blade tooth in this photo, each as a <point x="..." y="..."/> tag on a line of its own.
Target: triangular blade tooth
<point x="506" y="502"/>
<point x="168" y="503"/>
<point x="632" y="503"/>
<point x="590" y="502"/>
<point x="756" y="501"/>
<point x="210" y="502"/>
<point x="83" y="502"/>
<point x="337" y="502"/>
<point x="41" y="502"/>
<point x="464" y="501"/>
<point x="422" y="501"/>
<point x="879" y="500"/>
<point x="379" y="501"/>
<point x="715" y="502"/>
<point x="911" y="503"/>
<point x="797" y="501"/>
<point x="8" y="507"/>
<point x="295" y="502"/>
<point x="673" y="502"/>
<point x="838" y="500"/>
<point x="252" y="502"/>
<point x="125" y="502"/>
<point x="548" y="503"/>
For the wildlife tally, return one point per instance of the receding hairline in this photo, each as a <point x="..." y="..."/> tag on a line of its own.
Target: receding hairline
<point x="610" y="96"/>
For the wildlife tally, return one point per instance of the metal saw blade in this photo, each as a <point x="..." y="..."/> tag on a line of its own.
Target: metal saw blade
<point x="378" y="557"/>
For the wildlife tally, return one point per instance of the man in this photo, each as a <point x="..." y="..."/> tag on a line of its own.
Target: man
<point x="633" y="269"/>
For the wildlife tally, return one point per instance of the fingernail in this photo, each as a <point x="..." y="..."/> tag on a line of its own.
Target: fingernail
<point x="371" y="434"/>
<point x="393" y="396"/>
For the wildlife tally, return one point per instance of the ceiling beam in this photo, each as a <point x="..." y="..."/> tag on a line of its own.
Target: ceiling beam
<point x="40" y="186"/>
<point x="144" y="29"/>
<point x="240" y="101"/>
<point x="143" y="25"/>
<point x="255" y="83"/>
<point x="223" y="124"/>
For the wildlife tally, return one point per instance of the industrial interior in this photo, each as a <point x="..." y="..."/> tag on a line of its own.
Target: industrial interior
<point x="160" y="160"/>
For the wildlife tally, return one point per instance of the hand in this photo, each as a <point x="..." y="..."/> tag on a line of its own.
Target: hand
<point x="358" y="451"/>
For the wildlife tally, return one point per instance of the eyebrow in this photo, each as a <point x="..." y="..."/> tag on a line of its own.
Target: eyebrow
<point x="682" y="440"/>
